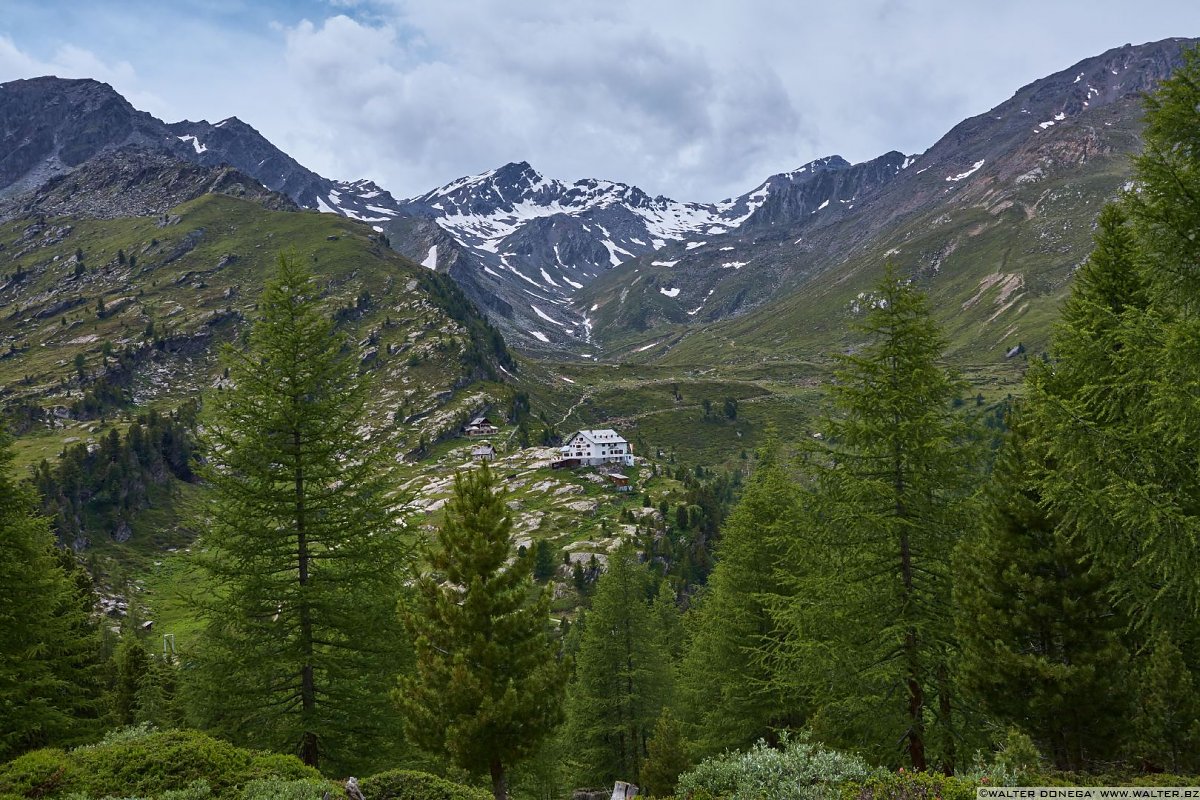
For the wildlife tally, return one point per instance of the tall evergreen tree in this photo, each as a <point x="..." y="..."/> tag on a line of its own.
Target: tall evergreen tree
<point x="488" y="683"/>
<point x="1117" y="410"/>
<point x="304" y="552"/>
<point x="870" y="630"/>
<point x="1042" y="645"/>
<point x="622" y="675"/>
<point x="730" y="695"/>
<point x="1166" y="722"/>
<point x="48" y="646"/>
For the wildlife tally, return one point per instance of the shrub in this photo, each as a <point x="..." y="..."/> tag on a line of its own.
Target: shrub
<point x="139" y="762"/>
<point x="302" y="789"/>
<point x="38" y="773"/>
<point x="403" y="784"/>
<point x="799" y="770"/>
<point x="909" y="786"/>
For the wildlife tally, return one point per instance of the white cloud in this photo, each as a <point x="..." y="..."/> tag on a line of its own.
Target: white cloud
<point x="695" y="100"/>
<point x="71" y="61"/>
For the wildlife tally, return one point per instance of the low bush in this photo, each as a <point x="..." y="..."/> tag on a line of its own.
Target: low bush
<point x="909" y="786"/>
<point x="403" y="784"/>
<point x="142" y="763"/>
<point x="275" y="789"/>
<point x="799" y="770"/>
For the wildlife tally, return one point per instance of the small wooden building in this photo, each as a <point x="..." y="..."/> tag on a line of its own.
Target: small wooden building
<point x="480" y="426"/>
<point x="619" y="482"/>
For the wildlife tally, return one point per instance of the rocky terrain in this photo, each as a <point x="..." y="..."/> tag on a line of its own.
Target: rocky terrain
<point x="601" y="269"/>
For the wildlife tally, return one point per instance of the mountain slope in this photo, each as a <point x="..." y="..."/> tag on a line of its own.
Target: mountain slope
<point x="1032" y="172"/>
<point x="53" y="126"/>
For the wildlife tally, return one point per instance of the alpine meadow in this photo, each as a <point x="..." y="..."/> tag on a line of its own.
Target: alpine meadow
<point x="877" y="481"/>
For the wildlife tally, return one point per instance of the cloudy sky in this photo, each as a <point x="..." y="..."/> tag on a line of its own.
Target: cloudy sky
<point x="695" y="99"/>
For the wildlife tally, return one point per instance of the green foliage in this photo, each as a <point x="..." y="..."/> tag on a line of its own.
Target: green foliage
<point x="403" y="784"/>
<point x="1166" y="722"/>
<point x="666" y="757"/>
<point x="294" y="789"/>
<point x="730" y="695"/>
<point x="486" y="349"/>
<point x="1042" y="645"/>
<point x="48" y="644"/>
<point x="870" y="636"/>
<point x="909" y="786"/>
<point x="100" y="490"/>
<point x="304" y="550"/>
<point x="148" y="764"/>
<point x="622" y="675"/>
<point x="488" y="683"/>
<point x="799" y="770"/>
<point x="1118" y="410"/>
<point x="544" y="562"/>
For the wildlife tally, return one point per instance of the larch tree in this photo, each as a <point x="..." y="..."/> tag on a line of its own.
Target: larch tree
<point x="488" y="684"/>
<point x="731" y="694"/>
<point x="48" y="645"/>
<point x="1116" y="408"/>
<point x="870" y="634"/>
<point x="622" y="674"/>
<point x="303" y="544"/>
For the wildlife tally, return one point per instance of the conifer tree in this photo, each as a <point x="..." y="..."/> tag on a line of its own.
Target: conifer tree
<point x="666" y="757"/>
<point x="622" y="675"/>
<point x="48" y="646"/>
<point x="1041" y="642"/>
<point x="1117" y="409"/>
<point x="132" y="664"/>
<point x="304" y="554"/>
<point x="730" y="695"/>
<point x="870" y="632"/>
<point x="488" y="682"/>
<point x="1166" y="723"/>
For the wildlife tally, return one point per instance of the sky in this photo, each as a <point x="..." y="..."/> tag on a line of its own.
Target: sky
<point x="693" y="99"/>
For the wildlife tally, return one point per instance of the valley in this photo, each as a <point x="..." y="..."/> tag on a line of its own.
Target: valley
<point x="290" y="433"/>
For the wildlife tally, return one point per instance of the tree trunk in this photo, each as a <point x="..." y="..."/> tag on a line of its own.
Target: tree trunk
<point x="946" y="712"/>
<point x="916" y="694"/>
<point x="499" y="781"/>
<point x="309" y="751"/>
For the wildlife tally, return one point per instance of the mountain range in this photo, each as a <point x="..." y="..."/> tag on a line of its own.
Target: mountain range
<point x="597" y="267"/>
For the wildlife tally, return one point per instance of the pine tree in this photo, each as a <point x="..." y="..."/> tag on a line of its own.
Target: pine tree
<point x="1041" y="642"/>
<point x="622" y="675"/>
<point x="48" y="646"/>
<point x="488" y="682"/>
<point x="870" y="632"/>
<point x="304" y="553"/>
<point x="730" y="694"/>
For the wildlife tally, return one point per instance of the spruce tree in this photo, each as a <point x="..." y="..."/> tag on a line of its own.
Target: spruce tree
<point x="1041" y="641"/>
<point x="730" y="693"/>
<point x="48" y="646"/>
<point x="870" y="632"/>
<point x="488" y="682"/>
<point x="303" y="544"/>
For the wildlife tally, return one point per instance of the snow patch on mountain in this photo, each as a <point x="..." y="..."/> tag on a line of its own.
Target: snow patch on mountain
<point x="199" y="148"/>
<point x="431" y="258"/>
<point x="960" y="176"/>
